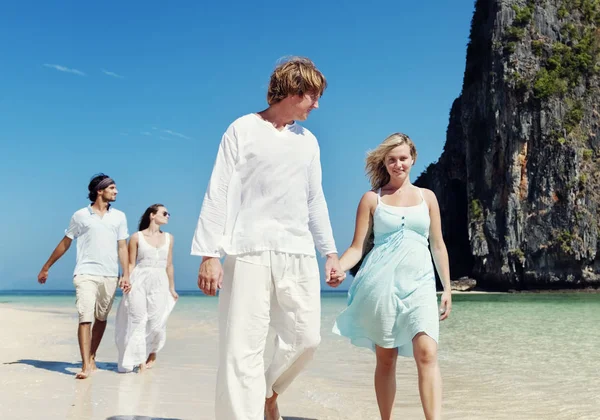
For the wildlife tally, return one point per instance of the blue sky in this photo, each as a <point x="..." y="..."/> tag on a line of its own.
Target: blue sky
<point x="143" y="91"/>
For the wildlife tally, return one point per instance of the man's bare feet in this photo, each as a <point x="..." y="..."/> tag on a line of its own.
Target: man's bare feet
<point x="151" y="360"/>
<point x="271" y="408"/>
<point x="84" y="374"/>
<point x="142" y="367"/>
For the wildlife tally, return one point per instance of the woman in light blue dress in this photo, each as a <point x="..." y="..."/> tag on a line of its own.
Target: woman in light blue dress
<point x="392" y="302"/>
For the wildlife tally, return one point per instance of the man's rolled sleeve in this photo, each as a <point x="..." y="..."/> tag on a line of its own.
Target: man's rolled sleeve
<point x="74" y="228"/>
<point x="123" y="231"/>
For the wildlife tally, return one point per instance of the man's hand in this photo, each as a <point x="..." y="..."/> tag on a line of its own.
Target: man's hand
<point x="43" y="276"/>
<point x="210" y="276"/>
<point x="58" y="252"/>
<point x="124" y="284"/>
<point x="334" y="276"/>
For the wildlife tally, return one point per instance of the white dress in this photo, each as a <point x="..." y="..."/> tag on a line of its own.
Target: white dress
<point x="141" y="324"/>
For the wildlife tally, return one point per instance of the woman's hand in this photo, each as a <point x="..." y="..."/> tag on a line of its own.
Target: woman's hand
<point x="124" y="284"/>
<point x="446" y="305"/>
<point x="174" y="294"/>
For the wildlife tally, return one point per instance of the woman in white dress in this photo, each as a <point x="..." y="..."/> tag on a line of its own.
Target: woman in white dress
<point x="141" y="325"/>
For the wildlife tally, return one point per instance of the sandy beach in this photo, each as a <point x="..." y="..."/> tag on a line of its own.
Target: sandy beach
<point x="486" y="374"/>
<point x="40" y="358"/>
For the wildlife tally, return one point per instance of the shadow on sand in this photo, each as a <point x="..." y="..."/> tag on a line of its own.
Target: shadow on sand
<point x="168" y="418"/>
<point x="297" y="418"/>
<point x="61" y="367"/>
<point x="139" y="418"/>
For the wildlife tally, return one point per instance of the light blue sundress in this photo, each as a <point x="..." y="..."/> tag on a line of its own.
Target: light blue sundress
<point x="393" y="296"/>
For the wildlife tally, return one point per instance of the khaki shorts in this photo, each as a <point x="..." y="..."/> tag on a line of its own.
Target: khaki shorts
<point x="94" y="296"/>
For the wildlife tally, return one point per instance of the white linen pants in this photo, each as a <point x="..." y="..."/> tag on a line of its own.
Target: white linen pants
<point x="262" y="290"/>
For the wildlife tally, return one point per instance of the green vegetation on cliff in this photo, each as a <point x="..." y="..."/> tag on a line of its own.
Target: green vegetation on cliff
<point x="519" y="179"/>
<point x="565" y="63"/>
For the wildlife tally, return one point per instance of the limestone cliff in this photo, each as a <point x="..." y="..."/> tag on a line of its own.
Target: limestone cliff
<point x="519" y="178"/>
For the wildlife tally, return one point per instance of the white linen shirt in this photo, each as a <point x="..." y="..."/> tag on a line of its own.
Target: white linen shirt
<point x="264" y="194"/>
<point x="97" y="238"/>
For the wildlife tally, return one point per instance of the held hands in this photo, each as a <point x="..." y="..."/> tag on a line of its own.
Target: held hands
<point x="210" y="276"/>
<point x="124" y="284"/>
<point x="334" y="275"/>
<point x="446" y="305"/>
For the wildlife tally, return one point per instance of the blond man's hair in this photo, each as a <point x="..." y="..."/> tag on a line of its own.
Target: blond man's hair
<point x="375" y="164"/>
<point x="295" y="76"/>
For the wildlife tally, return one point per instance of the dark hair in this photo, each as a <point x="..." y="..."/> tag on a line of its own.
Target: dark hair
<point x="145" y="219"/>
<point x="92" y="187"/>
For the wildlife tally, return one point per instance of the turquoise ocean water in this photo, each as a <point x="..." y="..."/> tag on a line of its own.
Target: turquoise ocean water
<point x="513" y="356"/>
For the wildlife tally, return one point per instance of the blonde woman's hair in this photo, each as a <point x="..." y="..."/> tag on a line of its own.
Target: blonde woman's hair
<point x="375" y="165"/>
<point x="379" y="176"/>
<point x="295" y="76"/>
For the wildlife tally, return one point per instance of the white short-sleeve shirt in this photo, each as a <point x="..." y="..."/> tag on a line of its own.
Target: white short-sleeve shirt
<point x="97" y="238"/>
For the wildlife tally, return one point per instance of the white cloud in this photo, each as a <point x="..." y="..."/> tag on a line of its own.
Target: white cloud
<point x="113" y="74"/>
<point x="173" y="133"/>
<point x="65" y="69"/>
<point x="156" y="132"/>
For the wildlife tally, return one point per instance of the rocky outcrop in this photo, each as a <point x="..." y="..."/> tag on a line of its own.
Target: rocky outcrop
<point x="464" y="284"/>
<point x="519" y="178"/>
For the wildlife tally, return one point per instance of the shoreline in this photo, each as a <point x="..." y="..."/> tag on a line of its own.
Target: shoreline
<point x="41" y="357"/>
<point x="71" y="292"/>
<point x="587" y="290"/>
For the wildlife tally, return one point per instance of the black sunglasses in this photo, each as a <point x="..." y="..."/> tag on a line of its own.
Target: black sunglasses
<point x="166" y="213"/>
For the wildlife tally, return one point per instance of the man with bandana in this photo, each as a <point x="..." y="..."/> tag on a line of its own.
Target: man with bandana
<point x="101" y="233"/>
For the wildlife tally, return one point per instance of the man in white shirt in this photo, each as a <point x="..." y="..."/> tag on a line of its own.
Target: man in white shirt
<point x="101" y="233"/>
<point x="264" y="209"/>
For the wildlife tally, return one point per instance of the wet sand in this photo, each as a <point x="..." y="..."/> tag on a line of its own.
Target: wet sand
<point x="502" y="357"/>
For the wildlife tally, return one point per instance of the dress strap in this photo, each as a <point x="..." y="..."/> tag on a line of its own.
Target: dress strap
<point x="424" y="202"/>
<point x="378" y="196"/>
